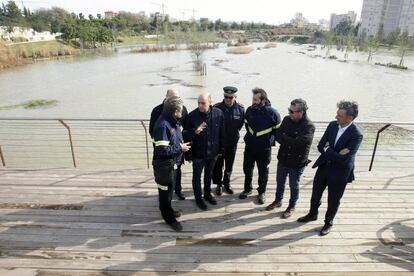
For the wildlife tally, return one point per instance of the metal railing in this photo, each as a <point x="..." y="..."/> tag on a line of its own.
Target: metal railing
<point x="29" y="142"/>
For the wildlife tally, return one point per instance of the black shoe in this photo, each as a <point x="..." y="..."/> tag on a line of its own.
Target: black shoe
<point x="177" y="214"/>
<point x="261" y="198"/>
<point x="308" y="218"/>
<point x="326" y="229"/>
<point x="210" y="199"/>
<point x="201" y="204"/>
<point x="273" y="205"/>
<point x="219" y="190"/>
<point x="176" y="226"/>
<point x="180" y="196"/>
<point x="228" y="189"/>
<point x="244" y="194"/>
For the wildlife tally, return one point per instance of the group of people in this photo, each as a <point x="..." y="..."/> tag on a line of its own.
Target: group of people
<point x="208" y="137"/>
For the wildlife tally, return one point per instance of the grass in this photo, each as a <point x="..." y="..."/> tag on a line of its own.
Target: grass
<point x="32" y="104"/>
<point x="239" y="50"/>
<point x="43" y="49"/>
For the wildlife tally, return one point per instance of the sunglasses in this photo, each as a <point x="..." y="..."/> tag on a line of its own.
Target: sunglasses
<point x="293" y="111"/>
<point x="229" y="97"/>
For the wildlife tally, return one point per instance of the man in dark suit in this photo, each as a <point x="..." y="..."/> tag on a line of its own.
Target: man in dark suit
<point x="338" y="147"/>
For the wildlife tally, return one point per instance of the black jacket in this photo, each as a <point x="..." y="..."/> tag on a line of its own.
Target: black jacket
<point x="156" y="113"/>
<point x="295" y="139"/>
<point x="233" y="122"/>
<point x="210" y="142"/>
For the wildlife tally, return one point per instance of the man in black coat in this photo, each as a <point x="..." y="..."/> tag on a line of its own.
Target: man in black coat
<point x="205" y="129"/>
<point x="233" y="113"/>
<point x="155" y="114"/>
<point x="338" y="147"/>
<point x="295" y="136"/>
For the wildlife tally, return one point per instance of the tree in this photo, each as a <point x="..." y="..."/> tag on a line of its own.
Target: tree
<point x="371" y="47"/>
<point x="405" y="45"/>
<point x="13" y="11"/>
<point x="329" y="40"/>
<point x="344" y="28"/>
<point x="392" y="37"/>
<point x="349" y="45"/>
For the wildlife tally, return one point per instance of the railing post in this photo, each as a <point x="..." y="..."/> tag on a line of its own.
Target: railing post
<point x="2" y="158"/>
<point x="376" y="143"/>
<point x="146" y="142"/>
<point x="70" y="140"/>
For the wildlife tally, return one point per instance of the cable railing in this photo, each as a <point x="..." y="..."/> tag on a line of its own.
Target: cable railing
<point x="86" y="143"/>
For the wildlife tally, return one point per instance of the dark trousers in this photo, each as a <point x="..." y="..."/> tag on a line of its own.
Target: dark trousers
<point x="177" y="187"/>
<point x="165" y="176"/>
<point x="294" y="178"/>
<point x="226" y="161"/>
<point x="198" y="166"/>
<point x="262" y="159"/>
<point x="335" y="192"/>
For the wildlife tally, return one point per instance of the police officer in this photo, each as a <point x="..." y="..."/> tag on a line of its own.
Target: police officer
<point x="261" y="121"/>
<point x="233" y="113"/>
<point x="155" y="114"/>
<point x="205" y="129"/>
<point x="168" y="149"/>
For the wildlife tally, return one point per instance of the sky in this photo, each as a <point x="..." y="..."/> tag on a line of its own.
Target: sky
<point x="266" y="11"/>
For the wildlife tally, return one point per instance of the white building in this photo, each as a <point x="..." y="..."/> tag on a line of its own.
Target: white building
<point x="27" y="34"/>
<point x="387" y="15"/>
<point x="338" y="18"/>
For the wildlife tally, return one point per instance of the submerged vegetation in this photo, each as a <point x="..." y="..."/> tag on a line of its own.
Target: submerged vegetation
<point x="32" y="104"/>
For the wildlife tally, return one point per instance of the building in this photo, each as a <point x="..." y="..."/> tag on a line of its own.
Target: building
<point x="338" y="18"/>
<point x="323" y="25"/>
<point x="110" y="14"/>
<point x="299" y="21"/>
<point x="386" y="16"/>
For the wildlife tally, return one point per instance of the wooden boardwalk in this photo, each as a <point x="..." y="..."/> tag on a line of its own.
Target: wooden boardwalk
<point x="106" y="222"/>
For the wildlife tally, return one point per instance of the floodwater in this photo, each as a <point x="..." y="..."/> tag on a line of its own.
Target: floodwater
<point x="128" y="85"/>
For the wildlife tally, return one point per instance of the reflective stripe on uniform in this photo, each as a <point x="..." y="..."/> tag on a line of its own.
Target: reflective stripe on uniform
<point x="161" y="143"/>
<point x="277" y="126"/>
<point x="250" y="130"/>
<point x="263" y="132"/>
<point x="162" y="187"/>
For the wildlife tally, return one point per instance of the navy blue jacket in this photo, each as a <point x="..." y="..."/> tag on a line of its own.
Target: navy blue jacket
<point x="156" y="113"/>
<point x="233" y="122"/>
<point x="210" y="142"/>
<point x="261" y="124"/>
<point x="167" y="139"/>
<point x="341" y="167"/>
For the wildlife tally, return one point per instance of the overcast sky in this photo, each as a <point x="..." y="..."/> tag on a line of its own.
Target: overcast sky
<point x="268" y="11"/>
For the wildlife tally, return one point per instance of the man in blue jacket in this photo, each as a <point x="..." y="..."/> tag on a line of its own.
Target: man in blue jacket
<point x="168" y="149"/>
<point x="338" y="147"/>
<point x="233" y="113"/>
<point x="155" y="114"/>
<point x="261" y="121"/>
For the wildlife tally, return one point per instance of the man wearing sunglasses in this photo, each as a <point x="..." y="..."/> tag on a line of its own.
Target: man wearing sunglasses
<point x="233" y="113"/>
<point x="295" y="136"/>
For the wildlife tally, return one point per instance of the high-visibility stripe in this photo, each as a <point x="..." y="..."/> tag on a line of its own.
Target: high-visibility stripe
<point x="162" y="187"/>
<point x="161" y="143"/>
<point x="263" y="132"/>
<point x="277" y="126"/>
<point x="250" y="130"/>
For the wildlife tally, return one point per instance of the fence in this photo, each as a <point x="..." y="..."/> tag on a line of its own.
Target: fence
<point x="114" y="143"/>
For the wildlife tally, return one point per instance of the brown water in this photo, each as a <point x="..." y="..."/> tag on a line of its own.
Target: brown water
<point x="126" y="85"/>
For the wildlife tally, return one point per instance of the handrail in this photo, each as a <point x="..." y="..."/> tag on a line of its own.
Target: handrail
<point x="143" y="122"/>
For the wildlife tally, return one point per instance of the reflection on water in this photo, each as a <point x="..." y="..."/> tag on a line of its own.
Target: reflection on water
<point x="126" y="85"/>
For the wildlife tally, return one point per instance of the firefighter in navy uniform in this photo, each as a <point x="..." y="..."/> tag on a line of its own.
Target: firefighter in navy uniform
<point x="233" y="113"/>
<point x="261" y="121"/>
<point x="168" y="151"/>
<point x="155" y="114"/>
